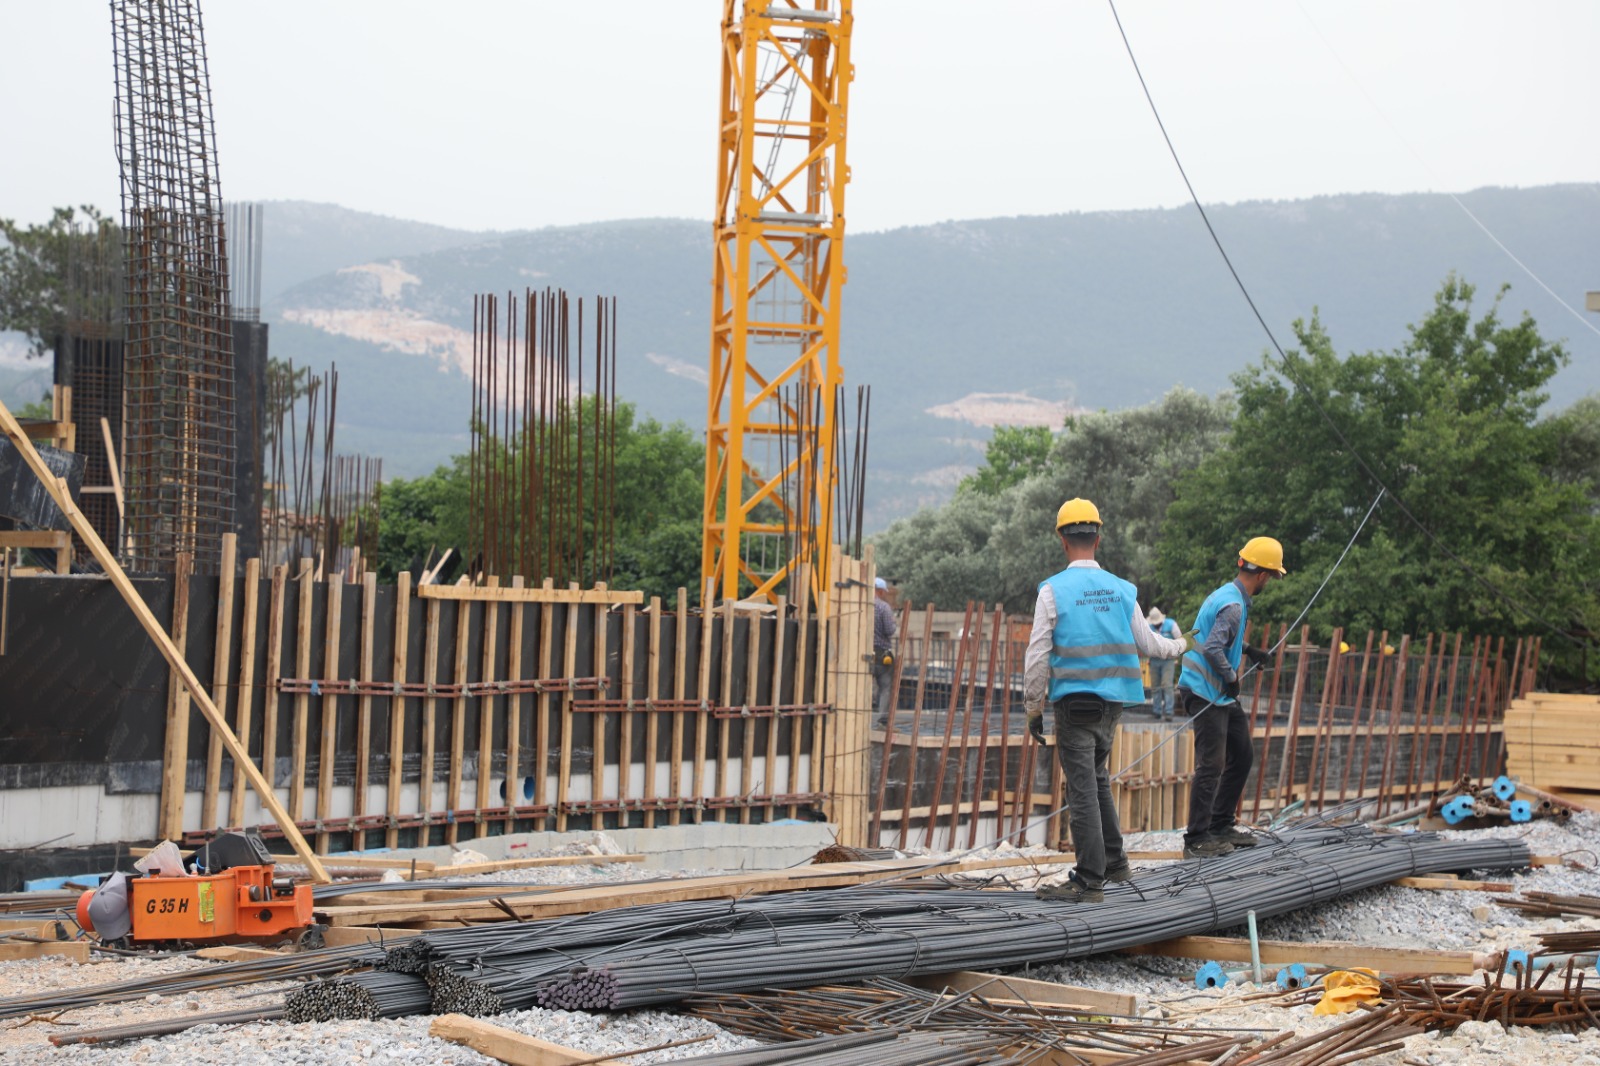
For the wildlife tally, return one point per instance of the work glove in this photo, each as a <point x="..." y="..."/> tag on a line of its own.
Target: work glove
<point x="1230" y="689"/>
<point x="1189" y="643"/>
<point x="1036" y="726"/>
<point x="1261" y="658"/>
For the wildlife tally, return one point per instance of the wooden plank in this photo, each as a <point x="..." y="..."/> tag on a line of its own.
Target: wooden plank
<point x="478" y="594"/>
<point x="546" y="705"/>
<point x="430" y="707"/>
<point x="394" y="783"/>
<point x="491" y="635"/>
<point x="625" y="719"/>
<point x="239" y="953"/>
<point x="701" y="723"/>
<point x="680" y="682"/>
<point x="724" y="697"/>
<point x="76" y="950"/>
<point x="221" y="657"/>
<point x="269" y="691"/>
<point x="346" y="936"/>
<point x="175" y="752"/>
<point x="569" y="666"/>
<point x="597" y="765"/>
<point x="1038" y="993"/>
<point x="747" y="727"/>
<point x="509" y="1046"/>
<point x="36" y="538"/>
<point x="802" y="586"/>
<point x="543" y="902"/>
<point x="1441" y="883"/>
<point x="780" y="631"/>
<point x="243" y="715"/>
<point x="328" y="721"/>
<point x="1322" y="953"/>
<point x="652" y="725"/>
<point x="302" y="702"/>
<point x="169" y="650"/>
<point x="514" y="707"/>
<point x="458" y="718"/>
<point x="364" y="706"/>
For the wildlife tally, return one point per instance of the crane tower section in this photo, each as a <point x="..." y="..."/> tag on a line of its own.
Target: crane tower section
<point x="771" y="434"/>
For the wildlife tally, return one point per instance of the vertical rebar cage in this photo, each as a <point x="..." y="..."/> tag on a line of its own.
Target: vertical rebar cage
<point x="178" y="374"/>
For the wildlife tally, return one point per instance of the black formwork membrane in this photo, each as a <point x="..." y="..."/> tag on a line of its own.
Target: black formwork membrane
<point x="84" y="691"/>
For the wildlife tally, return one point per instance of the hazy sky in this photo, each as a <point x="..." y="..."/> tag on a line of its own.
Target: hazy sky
<point x="534" y="113"/>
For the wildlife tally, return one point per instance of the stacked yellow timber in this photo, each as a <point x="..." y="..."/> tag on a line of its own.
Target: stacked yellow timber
<point x="1553" y="741"/>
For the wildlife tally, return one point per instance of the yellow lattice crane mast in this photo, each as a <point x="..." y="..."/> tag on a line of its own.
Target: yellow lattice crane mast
<point x="771" y="462"/>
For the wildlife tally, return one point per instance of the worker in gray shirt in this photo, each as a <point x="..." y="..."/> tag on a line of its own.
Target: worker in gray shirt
<point x="1209" y="691"/>
<point x="883" y="633"/>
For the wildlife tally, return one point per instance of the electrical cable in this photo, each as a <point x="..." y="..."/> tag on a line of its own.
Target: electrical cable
<point x="1395" y="129"/>
<point x="1285" y="363"/>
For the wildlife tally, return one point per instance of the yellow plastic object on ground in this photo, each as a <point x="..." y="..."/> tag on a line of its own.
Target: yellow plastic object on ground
<point x="1345" y="990"/>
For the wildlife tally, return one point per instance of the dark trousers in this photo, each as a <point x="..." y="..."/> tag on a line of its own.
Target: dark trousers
<point x="1222" y="759"/>
<point x="1083" y="747"/>
<point x="883" y="695"/>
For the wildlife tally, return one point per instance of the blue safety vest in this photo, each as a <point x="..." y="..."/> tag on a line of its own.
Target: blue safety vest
<point x="1093" y="649"/>
<point x="1167" y="628"/>
<point x="1197" y="676"/>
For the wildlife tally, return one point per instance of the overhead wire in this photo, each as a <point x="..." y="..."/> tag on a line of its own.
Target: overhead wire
<point x="1286" y="363"/>
<point x="1395" y="129"/>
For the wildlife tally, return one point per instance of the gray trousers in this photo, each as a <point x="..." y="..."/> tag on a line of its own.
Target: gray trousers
<point x="882" y="692"/>
<point x="1083" y="747"/>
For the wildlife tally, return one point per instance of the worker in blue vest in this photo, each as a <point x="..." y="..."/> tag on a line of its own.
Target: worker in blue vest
<point x="1083" y="659"/>
<point x="1209" y="690"/>
<point x="1162" y="670"/>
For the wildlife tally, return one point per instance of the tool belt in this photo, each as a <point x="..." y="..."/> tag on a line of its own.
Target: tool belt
<point x="1083" y="708"/>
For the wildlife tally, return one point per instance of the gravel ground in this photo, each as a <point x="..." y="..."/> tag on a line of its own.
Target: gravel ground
<point x="1389" y="916"/>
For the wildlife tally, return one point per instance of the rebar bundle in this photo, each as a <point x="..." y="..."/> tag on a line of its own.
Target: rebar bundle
<point x="179" y="373"/>
<point x="542" y="471"/>
<point x="666" y="952"/>
<point x="370" y="995"/>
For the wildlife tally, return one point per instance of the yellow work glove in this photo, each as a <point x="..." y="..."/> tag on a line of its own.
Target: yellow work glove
<point x="1036" y="725"/>
<point x="1189" y="643"/>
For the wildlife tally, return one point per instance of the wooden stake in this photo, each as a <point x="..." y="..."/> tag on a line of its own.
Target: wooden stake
<point x="169" y="649"/>
<point x="748" y="726"/>
<point x="221" y="660"/>
<point x="780" y="632"/>
<point x="514" y="706"/>
<point x="328" y="722"/>
<point x="725" y="698"/>
<point x="625" y="720"/>
<point x="269" y="692"/>
<point x="546" y="707"/>
<point x="397" y="707"/>
<point x="569" y="667"/>
<point x="802" y="583"/>
<point x="652" y="690"/>
<point x="369" y="623"/>
<point x="597" y="771"/>
<point x="491" y="625"/>
<point x="116" y="473"/>
<point x="680" y="669"/>
<point x="175" y="761"/>
<point x="247" y="681"/>
<point x="458" y="720"/>
<point x="430" y="726"/>
<point x="302" y="701"/>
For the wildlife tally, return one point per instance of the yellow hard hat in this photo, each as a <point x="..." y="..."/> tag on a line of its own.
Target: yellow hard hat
<point x="1344" y="646"/>
<point x="1078" y="516"/>
<point x="1264" y="553"/>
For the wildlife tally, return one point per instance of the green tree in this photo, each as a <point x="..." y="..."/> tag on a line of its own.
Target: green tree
<point x="1449" y="421"/>
<point x="1014" y="454"/>
<point x="997" y="548"/>
<point x="37" y="268"/>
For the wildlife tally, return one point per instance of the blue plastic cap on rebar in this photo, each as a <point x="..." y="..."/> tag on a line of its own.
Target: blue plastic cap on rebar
<point x="1516" y="959"/>
<point x="1292" y="977"/>
<point x="1211" y="975"/>
<point x="1504" y="787"/>
<point x="1521" y="811"/>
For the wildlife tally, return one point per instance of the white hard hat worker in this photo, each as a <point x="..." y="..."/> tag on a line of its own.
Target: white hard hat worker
<point x="1155" y="617"/>
<point x="880" y="583"/>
